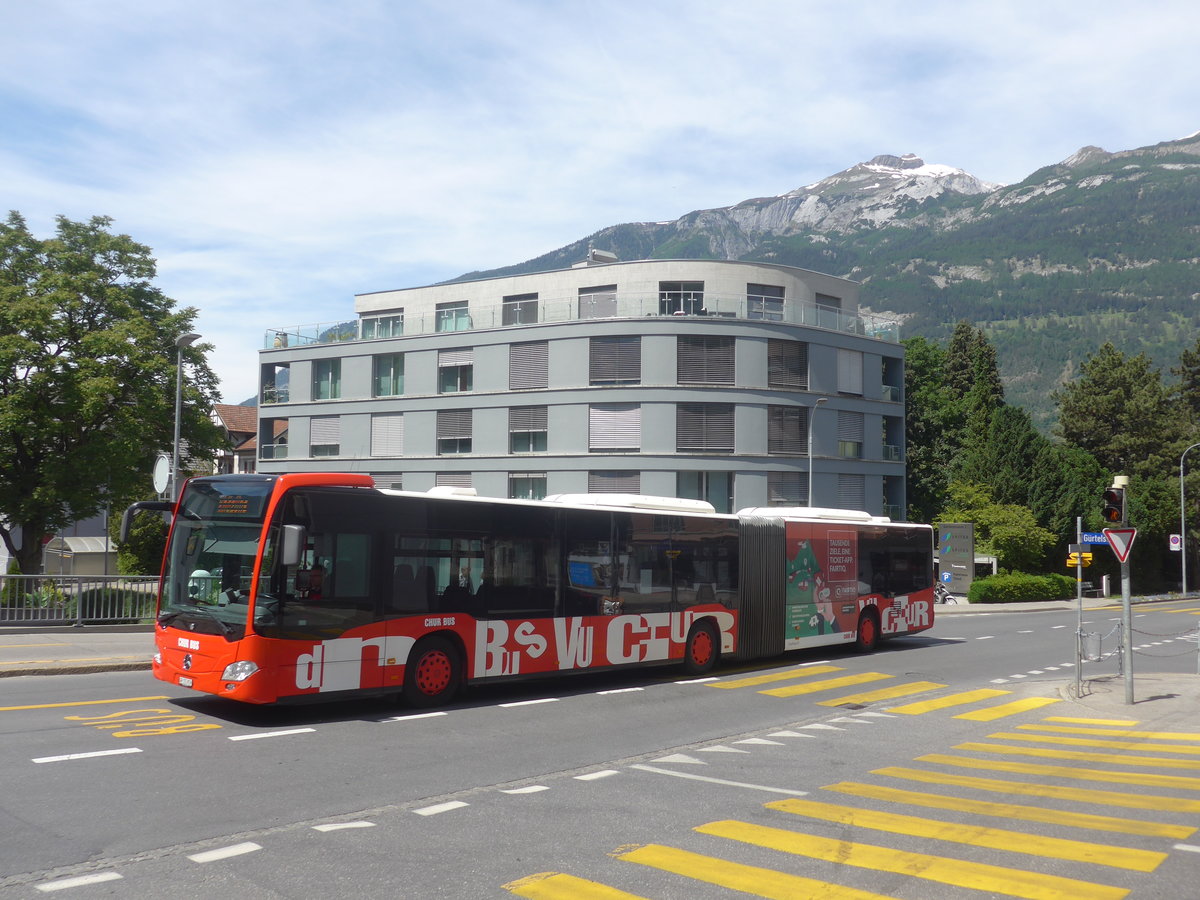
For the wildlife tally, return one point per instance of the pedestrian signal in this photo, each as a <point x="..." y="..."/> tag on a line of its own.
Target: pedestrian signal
<point x="1113" y="509"/>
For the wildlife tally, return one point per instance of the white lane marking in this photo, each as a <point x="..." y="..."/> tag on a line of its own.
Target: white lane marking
<point x="738" y="784"/>
<point x="440" y="808"/>
<point x="632" y="690"/>
<point x="428" y="715"/>
<point x="94" y="753"/>
<point x="270" y="734"/>
<point x="851" y="720"/>
<point x="593" y="776"/>
<point x="1016" y="676"/>
<point x="699" y="680"/>
<point x="1036" y="672"/>
<point x="874" y="715"/>
<point x="1026" y="631"/>
<point x="999" y="681"/>
<point x="760" y="741"/>
<point x="787" y="734"/>
<point x="986" y="637"/>
<point x="63" y="883"/>
<point x="531" y="789"/>
<point x="818" y="726"/>
<point x="342" y="826"/>
<point x="1190" y="848"/>
<point x="225" y="852"/>
<point x="529" y="702"/>
<point x="720" y="749"/>
<point x="1056" y="627"/>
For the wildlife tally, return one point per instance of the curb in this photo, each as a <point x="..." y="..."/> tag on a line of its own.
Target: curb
<point x="79" y="668"/>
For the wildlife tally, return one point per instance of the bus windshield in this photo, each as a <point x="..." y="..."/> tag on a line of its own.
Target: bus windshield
<point x="210" y="560"/>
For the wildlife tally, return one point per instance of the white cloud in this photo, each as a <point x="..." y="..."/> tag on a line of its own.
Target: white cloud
<point x="281" y="156"/>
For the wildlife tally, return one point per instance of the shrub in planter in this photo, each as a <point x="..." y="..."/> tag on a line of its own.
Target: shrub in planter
<point x="1021" y="588"/>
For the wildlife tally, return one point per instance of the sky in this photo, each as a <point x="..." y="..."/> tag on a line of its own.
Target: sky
<point x="281" y="156"/>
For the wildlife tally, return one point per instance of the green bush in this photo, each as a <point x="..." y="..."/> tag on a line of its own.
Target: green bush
<point x="1021" y="588"/>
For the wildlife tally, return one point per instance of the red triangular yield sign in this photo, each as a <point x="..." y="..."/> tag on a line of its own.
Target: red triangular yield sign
<point x="1121" y="540"/>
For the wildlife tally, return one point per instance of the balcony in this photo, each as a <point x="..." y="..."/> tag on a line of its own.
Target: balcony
<point x="893" y="393"/>
<point x="273" y="451"/>
<point x="605" y="306"/>
<point x="893" y="453"/>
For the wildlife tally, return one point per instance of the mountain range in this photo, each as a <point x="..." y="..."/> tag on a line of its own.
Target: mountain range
<point x="1101" y="246"/>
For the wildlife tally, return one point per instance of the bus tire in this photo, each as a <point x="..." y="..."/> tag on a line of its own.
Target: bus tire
<point x="433" y="673"/>
<point x="867" y="637"/>
<point x="702" y="649"/>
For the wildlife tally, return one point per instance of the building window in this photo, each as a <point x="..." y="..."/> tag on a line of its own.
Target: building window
<point x="275" y="378"/>
<point x="715" y="487"/>
<point x="388" y="374"/>
<point x="453" y="316"/>
<point x="787" y="430"/>
<point x="787" y="489"/>
<point x="850" y="372"/>
<point x="704" y="428"/>
<point x="850" y="434"/>
<point x="325" y="435"/>
<point x="527" y="485"/>
<point x="453" y="431"/>
<point x="519" y="309"/>
<point x="615" y="360"/>
<point x="456" y="369"/>
<point x="614" y="482"/>
<point x="528" y="365"/>
<point x="383" y="326"/>
<point x="787" y="364"/>
<point x="326" y="379"/>
<point x="598" y="302"/>
<point x="893" y="438"/>
<point x="704" y="360"/>
<point x="527" y="429"/>
<point x="764" y="301"/>
<point x="680" y="298"/>
<point x="387" y="435"/>
<point x="852" y="492"/>
<point x="614" y="427"/>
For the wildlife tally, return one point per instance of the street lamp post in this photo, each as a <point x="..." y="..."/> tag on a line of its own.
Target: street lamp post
<point x="184" y="340"/>
<point x="1183" y="524"/>
<point x="812" y="414"/>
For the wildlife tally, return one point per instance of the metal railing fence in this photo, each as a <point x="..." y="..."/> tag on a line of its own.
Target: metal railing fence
<point x="76" y="599"/>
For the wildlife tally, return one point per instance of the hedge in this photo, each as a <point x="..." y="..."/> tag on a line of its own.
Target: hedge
<point x="1018" y="588"/>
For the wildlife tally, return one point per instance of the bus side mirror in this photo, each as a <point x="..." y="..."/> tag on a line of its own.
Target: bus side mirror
<point x="150" y="505"/>
<point x="292" y="550"/>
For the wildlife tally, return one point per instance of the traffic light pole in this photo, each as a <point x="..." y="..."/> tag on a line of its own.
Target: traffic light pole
<point x="1127" y="630"/>
<point x="1079" y="605"/>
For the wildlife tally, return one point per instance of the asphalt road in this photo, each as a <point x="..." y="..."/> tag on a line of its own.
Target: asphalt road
<point x="772" y="781"/>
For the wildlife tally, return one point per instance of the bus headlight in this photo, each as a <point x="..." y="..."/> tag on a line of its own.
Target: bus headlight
<point x="239" y="671"/>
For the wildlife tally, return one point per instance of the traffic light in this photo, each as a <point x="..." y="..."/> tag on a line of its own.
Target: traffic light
<point x="1113" y="511"/>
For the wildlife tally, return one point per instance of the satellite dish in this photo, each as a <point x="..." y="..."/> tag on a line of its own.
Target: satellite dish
<point x="162" y="473"/>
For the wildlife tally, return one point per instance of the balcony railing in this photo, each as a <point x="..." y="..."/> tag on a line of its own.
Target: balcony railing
<point x="596" y="306"/>
<point x="273" y="451"/>
<point x="892" y="392"/>
<point x="893" y="453"/>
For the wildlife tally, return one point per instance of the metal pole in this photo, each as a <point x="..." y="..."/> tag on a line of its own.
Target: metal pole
<point x="1183" y="526"/>
<point x="1079" y="604"/>
<point x="184" y="340"/>
<point x="812" y="415"/>
<point x="1127" y="627"/>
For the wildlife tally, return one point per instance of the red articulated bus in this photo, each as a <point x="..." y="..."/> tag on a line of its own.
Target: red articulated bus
<point x="315" y="586"/>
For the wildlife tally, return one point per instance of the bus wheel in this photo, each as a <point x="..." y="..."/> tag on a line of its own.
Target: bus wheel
<point x="433" y="673"/>
<point x="701" y="651"/>
<point x="868" y="631"/>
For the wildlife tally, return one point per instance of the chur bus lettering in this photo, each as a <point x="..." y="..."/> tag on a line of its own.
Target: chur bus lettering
<point x="278" y="588"/>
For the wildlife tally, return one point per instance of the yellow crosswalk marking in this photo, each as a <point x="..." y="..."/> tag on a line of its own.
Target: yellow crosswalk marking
<point x="1010" y="810"/>
<point x="961" y="699"/>
<point x="1080" y="795"/>
<point x="1082" y="756"/>
<point x="776" y="676"/>
<point x="753" y="880"/>
<point x="556" y="886"/>
<point x="1116" y="732"/>
<point x="1184" y="782"/>
<point x="944" y="870"/>
<point x="1065" y="741"/>
<point x="975" y="835"/>
<point x="827" y="684"/>
<point x="1007" y="709"/>
<point x="900" y="690"/>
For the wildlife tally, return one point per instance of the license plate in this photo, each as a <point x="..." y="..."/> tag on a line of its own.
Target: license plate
<point x="184" y="681"/>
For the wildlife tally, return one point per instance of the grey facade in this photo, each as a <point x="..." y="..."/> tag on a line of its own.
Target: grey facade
<point x="691" y="378"/>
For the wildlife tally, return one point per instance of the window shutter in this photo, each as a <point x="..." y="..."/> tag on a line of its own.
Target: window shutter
<point x="850" y="426"/>
<point x="787" y="489"/>
<point x="453" y="479"/>
<point x="850" y="372"/>
<point x="614" y="426"/>
<point x="527" y="418"/>
<point x="787" y="364"/>
<point x="787" y="430"/>
<point x="705" y="360"/>
<point x="614" y="482"/>
<point x="615" y="360"/>
<point x="852" y="492"/>
<point x="387" y="434"/>
<point x="464" y="356"/>
<point x="453" y="424"/>
<point x="528" y="365"/>
<point x="704" y="427"/>
<point x="325" y="430"/>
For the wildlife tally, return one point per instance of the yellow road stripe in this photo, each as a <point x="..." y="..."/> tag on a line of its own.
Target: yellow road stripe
<point x="1045" y="753"/>
<point x="1186" y="782"/>
<point x="80" y="703"/>
<point x="944" y="870"/>
<point x="1190" y="609"/>
<point x="975" y="835"/>
<point x="753" y="880"/>
<point x="1096" y="742"/>
<point x="1013" y="810"/>
<point x="1007" y="709"/>
<point x="916" y="709"/>
<point x="1081" y="721"/>
<point x="557" y="886"/>
<point x="827" y="684"/>
<point x="901" y="690"/>
<point x="776" y="676"/>
<point x="1116" y="732"/>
